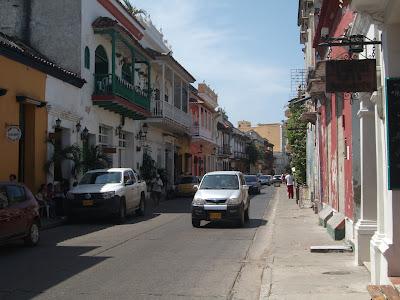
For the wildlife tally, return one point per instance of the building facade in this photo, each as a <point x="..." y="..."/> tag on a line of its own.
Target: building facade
<point x="275" y="134"/>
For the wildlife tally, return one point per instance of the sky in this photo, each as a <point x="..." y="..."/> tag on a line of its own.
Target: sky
<point x="244" y="50"/>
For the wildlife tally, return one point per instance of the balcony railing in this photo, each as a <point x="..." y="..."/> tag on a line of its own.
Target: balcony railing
<point x="240" y="155"/>
<point x="163" y="109"/>
<point x="198" y="131"/>
<point x="134" y="94"/>
<point x="224" y="150"/>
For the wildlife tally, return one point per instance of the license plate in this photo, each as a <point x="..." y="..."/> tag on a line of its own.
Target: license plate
<point x="87" y="202"/>
<point x="215" y="216"/>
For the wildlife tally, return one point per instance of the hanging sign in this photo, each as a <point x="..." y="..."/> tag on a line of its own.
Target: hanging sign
<point x="351" y="76"/>
<point x="13" y="133"/>
<point x="393" y="131"/>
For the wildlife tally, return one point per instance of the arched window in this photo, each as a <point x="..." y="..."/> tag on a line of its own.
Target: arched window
<point x="101" y="61"/>
<point x="87" y="58"/>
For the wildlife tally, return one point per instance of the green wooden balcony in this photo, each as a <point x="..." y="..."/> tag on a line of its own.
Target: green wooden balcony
<point x="107" y="87"/>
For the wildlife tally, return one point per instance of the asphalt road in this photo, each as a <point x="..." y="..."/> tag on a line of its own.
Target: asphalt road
<point x="159" y="256"/>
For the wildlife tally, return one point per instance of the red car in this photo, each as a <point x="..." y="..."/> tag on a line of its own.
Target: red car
<point x="19" y="214"/>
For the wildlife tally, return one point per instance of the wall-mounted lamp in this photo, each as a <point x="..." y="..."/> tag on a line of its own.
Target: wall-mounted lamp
<point x="3" y="92"/>
<point x="58" y="123"/>
<point x="78" y="126"/>
<point x="142" y="132"/>
<point x="85" y="134"/>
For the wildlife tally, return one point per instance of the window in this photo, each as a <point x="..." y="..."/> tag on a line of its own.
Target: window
<point x="87" y="58"/>
<point x="177" y="92"/>
<point x="104" y="135"/>
<point x="122" y="143"/>
<point x="16" y="194"/>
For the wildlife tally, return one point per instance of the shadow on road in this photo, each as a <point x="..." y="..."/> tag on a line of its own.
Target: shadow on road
<point x="252" y="223"/>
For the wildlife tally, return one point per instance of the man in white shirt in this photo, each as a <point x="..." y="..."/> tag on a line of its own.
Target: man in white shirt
<point x="289" y="184"/>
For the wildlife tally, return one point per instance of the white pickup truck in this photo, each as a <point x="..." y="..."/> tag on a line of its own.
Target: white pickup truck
<point x="114" y="192"/>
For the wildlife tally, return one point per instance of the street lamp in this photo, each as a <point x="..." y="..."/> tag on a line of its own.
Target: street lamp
<point x="78" y="126"/>
<point x="85" y="134"/>
<point x="58" y="123"/>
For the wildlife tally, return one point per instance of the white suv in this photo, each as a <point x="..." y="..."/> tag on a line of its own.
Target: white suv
<point x="116" y="192"/>
<point x="221" y="195"/>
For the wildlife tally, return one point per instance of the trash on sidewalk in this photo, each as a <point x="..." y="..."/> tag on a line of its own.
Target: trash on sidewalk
<point x="331" y="248"/>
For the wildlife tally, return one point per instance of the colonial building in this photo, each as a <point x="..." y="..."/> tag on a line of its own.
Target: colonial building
<point x="170" y="120"/>
<point x="28" y="81"/>
<point x="356" y="133"/>
<point x="103" y="48"/>
<point x="239" y="157"/>
<point x="203" y="105"/>
<point x="224" y="137"/>
<point x="275" y="134"/>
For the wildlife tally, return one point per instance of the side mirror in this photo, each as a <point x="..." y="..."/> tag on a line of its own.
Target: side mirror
<point x="129" y="182"/>
<point x="196" y="187"/>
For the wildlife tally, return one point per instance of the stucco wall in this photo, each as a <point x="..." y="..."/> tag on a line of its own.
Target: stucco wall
<point x="55" y="31"/>
<point x="13" y="77"/>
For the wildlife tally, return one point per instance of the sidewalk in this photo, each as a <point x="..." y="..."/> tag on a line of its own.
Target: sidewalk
<point x="293" y="272"/>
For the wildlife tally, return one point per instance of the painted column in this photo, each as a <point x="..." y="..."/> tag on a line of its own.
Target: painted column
<point x="366" y="225"/>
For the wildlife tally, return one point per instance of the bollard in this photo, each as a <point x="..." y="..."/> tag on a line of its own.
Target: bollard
<point x="297" y="194"/>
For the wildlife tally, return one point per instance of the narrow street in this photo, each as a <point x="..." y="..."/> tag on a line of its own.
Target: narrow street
<point x="159" y="256"/>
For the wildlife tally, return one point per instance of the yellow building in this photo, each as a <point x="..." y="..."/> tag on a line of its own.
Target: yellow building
<point x="23" y="114"/>
<point x="272" y="132"/>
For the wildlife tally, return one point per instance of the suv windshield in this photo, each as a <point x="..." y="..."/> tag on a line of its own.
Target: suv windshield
<point x="250" y="178"/>
<point x="101" y="178"/>
<point x="220" y="182"/>
<point x="264" y="177"/>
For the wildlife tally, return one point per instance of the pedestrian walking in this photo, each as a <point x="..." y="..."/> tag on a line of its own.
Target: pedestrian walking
<point x="289" y="184"/>
<point x="156" y="189"/>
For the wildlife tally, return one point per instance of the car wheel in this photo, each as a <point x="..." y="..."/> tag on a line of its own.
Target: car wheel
<point x="122" y="212"/>
<point x="196" y="223"/>
<point x="246" y="214"/>
<point x="241" y="218"/>
<point x="142" y="206"/>
<point x="33" y="237"/>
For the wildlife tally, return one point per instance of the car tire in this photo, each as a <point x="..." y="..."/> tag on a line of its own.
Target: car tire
<point x="246" y="214"/>
<point x="33" y="237"/>
<point x="121" y="218"/>
<point x="142" y="206"/>
<point x="241" y="220"/>
<point x="196" y="223"/>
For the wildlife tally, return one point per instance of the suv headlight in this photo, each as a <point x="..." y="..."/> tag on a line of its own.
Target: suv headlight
<point x="108" y="195"/>
<point x="234" y="201"/>
<point x="198" y="201"/>
<point x="70" y="196"/>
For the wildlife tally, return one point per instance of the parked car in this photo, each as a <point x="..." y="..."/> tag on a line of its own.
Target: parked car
<point x="114" y="192"/>
<point x="265" y="179"/>
<point x="19" y="214"/>
<point x="253" y="183"/>
<point x="221" y="195"/>
<point x="276" y="180"/>
<point x="186" y="184"/>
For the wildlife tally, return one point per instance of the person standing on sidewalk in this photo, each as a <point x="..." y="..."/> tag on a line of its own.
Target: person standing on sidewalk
<point x="156" y="189"/>
<point x="289" y="184"/>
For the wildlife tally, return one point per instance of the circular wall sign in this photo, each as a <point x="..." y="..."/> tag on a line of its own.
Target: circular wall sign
<point x="14" y="133"/>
